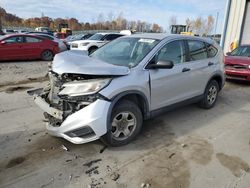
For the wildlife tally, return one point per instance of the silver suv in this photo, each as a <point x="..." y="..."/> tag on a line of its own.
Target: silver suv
<point x="109" y="93"/>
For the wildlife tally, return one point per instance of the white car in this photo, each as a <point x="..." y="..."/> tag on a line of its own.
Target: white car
<point x="94" y="42"/>
<point x="62" y="45"/>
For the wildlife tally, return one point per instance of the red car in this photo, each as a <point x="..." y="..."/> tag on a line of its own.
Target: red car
<point x="237" y="63"/>
<point x="23" y="47"/>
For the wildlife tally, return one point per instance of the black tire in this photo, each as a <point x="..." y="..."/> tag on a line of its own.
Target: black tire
<point x="210" y="95"/>
<point x="92" y="49"/>
<point x="112" y="137"/>
<point x="47" y="55"/>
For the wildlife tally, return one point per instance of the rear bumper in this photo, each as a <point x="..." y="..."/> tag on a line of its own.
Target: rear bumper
<point x="238" y="74"/>
<point x="92" y="118"/>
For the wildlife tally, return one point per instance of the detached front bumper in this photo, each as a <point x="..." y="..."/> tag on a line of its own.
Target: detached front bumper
<point x="85" y="125"/>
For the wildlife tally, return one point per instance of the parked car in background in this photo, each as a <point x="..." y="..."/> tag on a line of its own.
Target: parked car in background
<point x="62" y="45"/>
<point x="8" y="31"/>
<point x="133" y="78"/>
<point x="23" y="46"/>
<point x="94" y="42"/>
<point x="73" y="38"/>
<point x="237" y="63"/>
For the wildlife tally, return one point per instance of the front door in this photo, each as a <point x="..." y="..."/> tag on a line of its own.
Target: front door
<point x="10" y="48"/>
<point x="169" y="86"/>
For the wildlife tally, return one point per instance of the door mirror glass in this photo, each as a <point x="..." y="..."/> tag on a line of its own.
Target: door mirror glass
<point x="162" y="64"/>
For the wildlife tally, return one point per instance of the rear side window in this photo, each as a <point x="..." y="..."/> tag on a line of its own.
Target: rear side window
<point x="173" y="51"/>
<point x="112" y="37"/>
<point x="197" y="50"/>
<point x="211" y="51"/>
<point x="32" y="40"/>
<point x="46" y="37"/>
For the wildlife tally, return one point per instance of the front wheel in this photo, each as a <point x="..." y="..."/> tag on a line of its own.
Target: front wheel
<point x="125" y="124"/>
<point x="47" y="55"/>
<point x="210" y="95"/>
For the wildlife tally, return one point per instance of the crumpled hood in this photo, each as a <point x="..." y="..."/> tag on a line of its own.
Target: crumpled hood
<point x="77" y="62"/>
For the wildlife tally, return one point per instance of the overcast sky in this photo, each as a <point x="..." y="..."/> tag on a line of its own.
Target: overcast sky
<point x="157" y="11"/>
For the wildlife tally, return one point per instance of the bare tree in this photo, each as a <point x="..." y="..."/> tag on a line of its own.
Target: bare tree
<point x="172" y="20"/>
<point x="209" y="25"/>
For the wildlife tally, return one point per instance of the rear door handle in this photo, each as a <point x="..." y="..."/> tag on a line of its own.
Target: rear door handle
<point x="186" y="69"/>
<point x="210" y="63"/>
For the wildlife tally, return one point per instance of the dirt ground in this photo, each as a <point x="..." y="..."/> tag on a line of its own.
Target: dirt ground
<point x="186" y="148"/>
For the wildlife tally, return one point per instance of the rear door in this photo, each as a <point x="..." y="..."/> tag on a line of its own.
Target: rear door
<point x="202" y="65"/>
<point x="32" y="47"/>
<point x="11" y="48"/>
<point x="169" y="86"/>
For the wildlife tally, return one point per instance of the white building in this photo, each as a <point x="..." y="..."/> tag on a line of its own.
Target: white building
<point x="237" y="23"/>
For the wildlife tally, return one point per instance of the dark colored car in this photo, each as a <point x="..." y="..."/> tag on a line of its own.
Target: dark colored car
<point x="22" y="47"/>
<point x="237" y="63"/>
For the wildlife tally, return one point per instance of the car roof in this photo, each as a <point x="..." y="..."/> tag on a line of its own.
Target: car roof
<point x="22" y="35"/>
<point x="108" y="33"/>
<point x="161" y="36"/>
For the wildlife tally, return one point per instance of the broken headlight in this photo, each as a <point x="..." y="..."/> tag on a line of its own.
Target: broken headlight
<point x="84" y="87"/>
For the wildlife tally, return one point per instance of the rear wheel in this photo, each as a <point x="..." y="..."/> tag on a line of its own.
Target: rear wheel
<point x="210" y="95"/>
<point x="125" y="123"/>
<point x="47" y="55"/>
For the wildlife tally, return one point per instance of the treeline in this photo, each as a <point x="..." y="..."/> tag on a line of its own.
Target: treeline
<point x="110" y="23"/>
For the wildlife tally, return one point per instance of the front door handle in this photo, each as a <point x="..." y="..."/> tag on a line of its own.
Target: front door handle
<point x="186" y="69"/>
<point x="210" y="64"/>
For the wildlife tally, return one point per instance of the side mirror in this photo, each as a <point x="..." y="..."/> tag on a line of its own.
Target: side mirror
<point x="161" y="65"/>
<point x="3" y="42"/>
<point x="228" y="53"/>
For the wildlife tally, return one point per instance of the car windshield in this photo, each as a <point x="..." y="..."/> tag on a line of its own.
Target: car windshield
<point x="96" y="37"/>
<point x="125" y="51"/>
<point x="241" y="51"/>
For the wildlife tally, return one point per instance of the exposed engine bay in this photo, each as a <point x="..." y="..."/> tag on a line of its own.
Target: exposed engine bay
<point x="68" y="103"/>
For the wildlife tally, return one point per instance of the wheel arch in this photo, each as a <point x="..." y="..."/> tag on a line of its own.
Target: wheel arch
<point x="137" y="97"/>
<point x="92" y="47"/>
<point x="218" y="78"/>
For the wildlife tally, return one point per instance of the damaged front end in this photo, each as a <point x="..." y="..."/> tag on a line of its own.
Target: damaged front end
<point x="73" y="106"/>
<point x="71" y="92"/>
<point x="65" y="96"/>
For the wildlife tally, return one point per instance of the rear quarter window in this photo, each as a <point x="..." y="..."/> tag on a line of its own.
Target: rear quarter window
<point x="211" y="51"/>
<point x="32" y="39"/>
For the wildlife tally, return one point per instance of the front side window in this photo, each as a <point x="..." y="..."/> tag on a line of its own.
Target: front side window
<point x="173" y="51"/>
<point x="197" y="50"/>
<point x="32" y="40"/>
<point x="125" y="51"/>
<point x="11" y="40"/>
